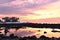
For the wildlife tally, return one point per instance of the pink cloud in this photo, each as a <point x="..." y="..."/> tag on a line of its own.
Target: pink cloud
<point x="47" y="20"/>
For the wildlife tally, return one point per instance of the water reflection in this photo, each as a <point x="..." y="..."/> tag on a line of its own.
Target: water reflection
<point x="24" y="32"/>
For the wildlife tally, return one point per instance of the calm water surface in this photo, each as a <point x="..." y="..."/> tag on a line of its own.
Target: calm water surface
<point x="25" y="32"/>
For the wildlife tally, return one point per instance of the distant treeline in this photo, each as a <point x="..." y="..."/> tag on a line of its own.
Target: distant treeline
<point x="36" y="25"/>
<point x="33" y="25"/>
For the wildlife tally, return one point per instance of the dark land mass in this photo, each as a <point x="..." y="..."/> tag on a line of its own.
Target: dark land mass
<point x="33" y="25"/>
<point x="12" y="37"/>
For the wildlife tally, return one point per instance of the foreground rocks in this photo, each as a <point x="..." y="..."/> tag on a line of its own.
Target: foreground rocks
<point x="12" y="37"/>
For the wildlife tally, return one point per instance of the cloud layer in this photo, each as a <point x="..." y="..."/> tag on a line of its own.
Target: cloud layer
<point x="21" y="6"/>
<point x="38" y="9"/>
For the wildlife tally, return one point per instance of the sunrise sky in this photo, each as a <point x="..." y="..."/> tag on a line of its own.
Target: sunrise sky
<point x="36" y="11"/>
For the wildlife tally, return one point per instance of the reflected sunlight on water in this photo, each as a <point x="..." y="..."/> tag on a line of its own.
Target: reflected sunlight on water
<point x="24" y="32"/>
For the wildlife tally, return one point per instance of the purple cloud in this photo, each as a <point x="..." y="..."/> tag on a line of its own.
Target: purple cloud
<point x="5" y="1"/>
<point x="20" y="6"/>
